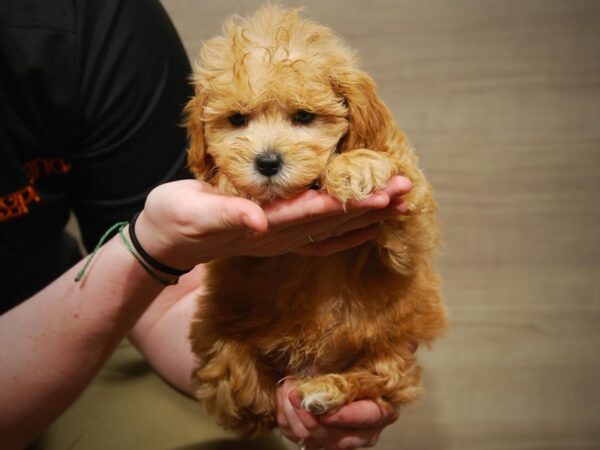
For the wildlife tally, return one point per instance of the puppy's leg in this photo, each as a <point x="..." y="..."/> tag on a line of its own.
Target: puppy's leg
<point x="232" y="387"/>
<point x="357" y="173"/>
<point x="391" y="382"/>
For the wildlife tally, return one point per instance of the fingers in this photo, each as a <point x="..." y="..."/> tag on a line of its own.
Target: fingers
<point x="397" y="186"/>
<point x="355" y="222"/>
<point x="234" y="213"/>
<point x="316" y="431"/>
<point x="340" y="243"/>
<point x="197" y="209"/>
<point x="360" y="414"/>
<point x="287" y="418"/>
<point x="218" y="225"/>
<point x="312" y="205"/>
<point x="218" y="213"/>
<point x="354" y="231"/>
<point x="336" y="231"/>
<point x="356" y="425"/>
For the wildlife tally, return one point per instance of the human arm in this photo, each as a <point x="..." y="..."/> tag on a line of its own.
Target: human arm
<point x="55" y="342"/>
<point x="162" y="332"/>
<point x="162" y="335"/>
<point x="98" y="86"/>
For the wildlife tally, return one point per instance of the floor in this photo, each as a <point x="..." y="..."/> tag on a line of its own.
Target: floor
<point x="502" y="100"/>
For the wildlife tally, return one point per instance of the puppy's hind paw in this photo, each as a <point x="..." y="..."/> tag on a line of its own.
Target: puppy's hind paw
<point x="323" y="394"/>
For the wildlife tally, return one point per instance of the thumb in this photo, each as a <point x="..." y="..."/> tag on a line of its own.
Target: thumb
<point x="234" y="213"/>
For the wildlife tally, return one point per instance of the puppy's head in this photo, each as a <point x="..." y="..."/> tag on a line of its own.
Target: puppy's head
<point x="275" y="97"/>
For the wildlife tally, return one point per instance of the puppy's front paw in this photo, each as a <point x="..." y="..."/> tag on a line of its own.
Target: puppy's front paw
<point x="323" y="394"/>
<point x="357" y="173"/>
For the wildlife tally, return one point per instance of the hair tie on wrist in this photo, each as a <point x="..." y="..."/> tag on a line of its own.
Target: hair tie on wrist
<point x="146" y="257"/>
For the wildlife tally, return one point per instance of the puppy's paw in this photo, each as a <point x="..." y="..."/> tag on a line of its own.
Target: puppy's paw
<point x="355" y="174"/>
<point x="323" y="394"/>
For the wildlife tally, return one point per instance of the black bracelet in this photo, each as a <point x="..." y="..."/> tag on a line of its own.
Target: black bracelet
<point x="145" y="256"/>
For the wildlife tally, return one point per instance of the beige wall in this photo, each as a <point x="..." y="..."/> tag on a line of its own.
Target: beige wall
<point x="502" y="100"/>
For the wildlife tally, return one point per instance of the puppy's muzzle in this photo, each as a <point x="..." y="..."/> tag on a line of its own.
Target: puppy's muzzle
<point x="268" y="163"/>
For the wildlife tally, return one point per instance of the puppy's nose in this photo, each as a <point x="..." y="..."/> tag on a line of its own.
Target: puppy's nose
<point x="268" y="163"/>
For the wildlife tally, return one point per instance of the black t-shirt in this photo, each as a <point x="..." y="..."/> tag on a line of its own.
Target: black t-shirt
<point x="91" y="94"/>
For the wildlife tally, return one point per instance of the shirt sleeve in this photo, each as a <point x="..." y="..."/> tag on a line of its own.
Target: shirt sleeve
<point x="132" y="74"/>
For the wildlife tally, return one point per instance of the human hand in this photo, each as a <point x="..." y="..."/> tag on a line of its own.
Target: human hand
<point x="187" y="222"/>
<point x="356" y="425"/>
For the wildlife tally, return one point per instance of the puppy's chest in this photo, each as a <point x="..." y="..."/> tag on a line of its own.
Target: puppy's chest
<point x="307" y="333"/>
<point x="297" y="315"/>
<point x="316" y="343"/>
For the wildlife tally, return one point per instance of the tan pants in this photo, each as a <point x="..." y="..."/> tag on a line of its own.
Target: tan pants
<point x="128" y="406"/>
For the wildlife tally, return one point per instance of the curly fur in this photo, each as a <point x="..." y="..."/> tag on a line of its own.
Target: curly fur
<point x="342" y="323"/>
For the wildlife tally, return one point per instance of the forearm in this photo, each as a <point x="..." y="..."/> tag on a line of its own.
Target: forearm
<point x="162" y="333"/>
<point x="66" y="332"/>
<point x="53" y="344"/>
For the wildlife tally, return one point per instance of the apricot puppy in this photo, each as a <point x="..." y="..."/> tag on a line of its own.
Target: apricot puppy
<point x="280" y="107"/>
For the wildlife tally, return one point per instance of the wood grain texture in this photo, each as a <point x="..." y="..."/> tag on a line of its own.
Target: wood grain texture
<point x="502" y="100"/>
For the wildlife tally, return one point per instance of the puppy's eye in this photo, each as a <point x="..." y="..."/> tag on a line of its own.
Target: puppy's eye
<point x="238" y="119"/>
<point x="303" y="117"/>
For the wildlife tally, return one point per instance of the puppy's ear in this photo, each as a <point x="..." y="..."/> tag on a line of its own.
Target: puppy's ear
<point x="370" y="120"/>
<point x="199" y="161"/>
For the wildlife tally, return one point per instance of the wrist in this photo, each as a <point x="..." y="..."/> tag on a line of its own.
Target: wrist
<point x="146" y="257"/>
<point x="156" y="249"/>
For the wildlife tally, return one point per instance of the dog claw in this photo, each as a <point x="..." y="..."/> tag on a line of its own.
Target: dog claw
<point x="318" y="397"/>
<point x="319" y="403"/>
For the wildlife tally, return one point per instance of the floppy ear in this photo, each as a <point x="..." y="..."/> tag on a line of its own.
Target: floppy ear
<point x="370" y="120"/>
<point x="199" y="161"/>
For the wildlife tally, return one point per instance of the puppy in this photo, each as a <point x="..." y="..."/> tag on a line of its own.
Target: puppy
<point x="280" y="107"/>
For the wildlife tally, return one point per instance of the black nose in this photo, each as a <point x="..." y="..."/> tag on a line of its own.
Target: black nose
<point x="268" y="163"/>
